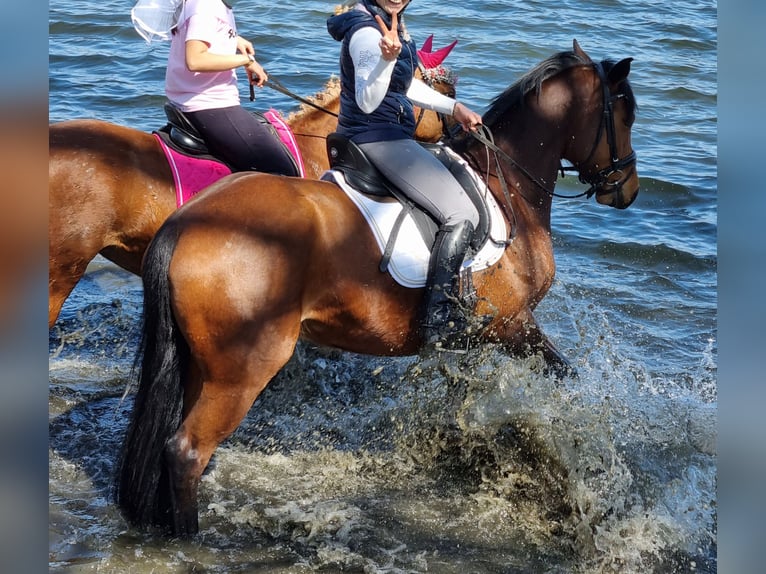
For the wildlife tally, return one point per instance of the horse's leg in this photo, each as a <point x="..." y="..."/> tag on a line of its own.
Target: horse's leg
<point x="57" y="294"/>
<point x="61" y="282"/>
<point x="555" y="362"/>
<point x="523" y="337"/>
<point x="68" y="263"/>
<point x="227" y="377"/>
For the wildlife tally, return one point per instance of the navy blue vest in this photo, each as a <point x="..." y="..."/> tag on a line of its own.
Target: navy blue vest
<point x="394" y="118"/>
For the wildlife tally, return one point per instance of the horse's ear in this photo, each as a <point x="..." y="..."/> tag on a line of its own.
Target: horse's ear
<point x="579" y="51"/>
<point x="620" y="71"/>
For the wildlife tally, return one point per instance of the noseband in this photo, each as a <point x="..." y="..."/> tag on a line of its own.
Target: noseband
<point x="601" y="181"/>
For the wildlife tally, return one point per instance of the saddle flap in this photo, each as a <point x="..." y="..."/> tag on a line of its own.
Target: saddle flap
<point x="461" y="172"/>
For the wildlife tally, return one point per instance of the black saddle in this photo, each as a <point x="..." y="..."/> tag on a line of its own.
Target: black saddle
<point x="182" y="133"/>
<point x="348" y="158"/>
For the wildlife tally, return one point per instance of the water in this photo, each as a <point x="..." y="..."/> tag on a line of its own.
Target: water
<point x="363" y="464"/>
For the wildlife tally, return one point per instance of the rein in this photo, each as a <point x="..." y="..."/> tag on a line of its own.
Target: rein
<point x="600" y="180"/>
<point x="489" y="142"/>
<point x="275" y="84"/>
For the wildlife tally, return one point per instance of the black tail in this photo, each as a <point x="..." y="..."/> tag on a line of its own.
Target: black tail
<point x="141" y="479"/>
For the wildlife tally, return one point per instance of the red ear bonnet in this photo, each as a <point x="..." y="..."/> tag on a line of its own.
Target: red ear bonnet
<point x="431" y="59"/>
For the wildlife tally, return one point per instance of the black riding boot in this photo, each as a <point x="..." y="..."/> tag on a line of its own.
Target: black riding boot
<point x="443" y="322"/>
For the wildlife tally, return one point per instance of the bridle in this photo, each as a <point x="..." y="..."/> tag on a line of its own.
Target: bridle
<point x="601" y="182"/>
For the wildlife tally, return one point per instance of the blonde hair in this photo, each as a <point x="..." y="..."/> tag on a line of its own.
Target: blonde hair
<point x="349" y="4"/>
<point x="345" y="7"/>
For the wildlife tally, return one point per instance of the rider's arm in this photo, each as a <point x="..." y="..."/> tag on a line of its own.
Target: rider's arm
<point x="373" y="73"/>
<point x="426" y="97"/>
<point x="199" y="58"/>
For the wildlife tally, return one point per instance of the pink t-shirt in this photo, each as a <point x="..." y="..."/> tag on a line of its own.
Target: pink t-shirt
<point x="212" y="22"/>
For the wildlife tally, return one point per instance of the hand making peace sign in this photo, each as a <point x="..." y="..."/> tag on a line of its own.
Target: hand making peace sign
<point x="390" y="46"/>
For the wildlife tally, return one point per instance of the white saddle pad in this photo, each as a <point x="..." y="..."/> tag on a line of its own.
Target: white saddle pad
<point x="409" y="259"/>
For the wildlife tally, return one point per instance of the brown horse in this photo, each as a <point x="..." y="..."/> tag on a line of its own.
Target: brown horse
<point x="236" y="277"/>
<point x="110" y="187"/>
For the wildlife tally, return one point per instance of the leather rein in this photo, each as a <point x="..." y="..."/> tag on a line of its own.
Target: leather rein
<point x="275" y="84"/>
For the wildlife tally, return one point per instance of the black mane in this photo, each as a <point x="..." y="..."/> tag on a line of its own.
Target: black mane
<point x="533" y="80"/>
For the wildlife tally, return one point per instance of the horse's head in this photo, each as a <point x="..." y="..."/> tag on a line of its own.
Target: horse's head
<point x="567" y="107"/>
<point x="610" y="166"/>
<point x="431" y="67"/>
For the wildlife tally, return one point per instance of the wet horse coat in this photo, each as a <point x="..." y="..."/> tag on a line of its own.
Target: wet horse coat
<point x="234" y="279"/>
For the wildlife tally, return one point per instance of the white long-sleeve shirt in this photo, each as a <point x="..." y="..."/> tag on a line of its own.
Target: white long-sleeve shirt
<point x="373" y="75"/>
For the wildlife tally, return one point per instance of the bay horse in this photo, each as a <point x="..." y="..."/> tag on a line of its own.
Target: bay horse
<point x="110" y="186"/>
<point x="234" y="278"/>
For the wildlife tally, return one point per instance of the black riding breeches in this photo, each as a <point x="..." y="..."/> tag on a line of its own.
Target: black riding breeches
<point x="241" y="140"/>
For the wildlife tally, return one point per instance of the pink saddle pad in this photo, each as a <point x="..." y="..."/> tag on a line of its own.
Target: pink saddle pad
<point x="192" y="174"/>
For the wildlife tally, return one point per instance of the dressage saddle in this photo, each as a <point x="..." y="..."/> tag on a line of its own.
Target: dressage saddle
<point x="349" y="159"/>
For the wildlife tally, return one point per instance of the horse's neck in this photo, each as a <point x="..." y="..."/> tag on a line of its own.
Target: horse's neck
<point x="311" y="126"/>
<point x="523" y="173"/>
<point x="315" y="122"/>
<point x="534" y="138"/>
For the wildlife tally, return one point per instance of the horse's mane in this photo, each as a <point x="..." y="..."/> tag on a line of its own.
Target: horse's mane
<point x="330" y="92"/>
<point x="533" y="81"/>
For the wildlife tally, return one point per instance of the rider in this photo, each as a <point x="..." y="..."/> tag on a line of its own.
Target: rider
<point x="201" y="81"/>
<point x="377" y="62"/>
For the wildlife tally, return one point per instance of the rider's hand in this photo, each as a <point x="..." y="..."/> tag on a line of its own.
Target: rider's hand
<point x="245" y="46"/>
<point x="390" y="46"/>
<point x="466" y="117"/>
<point x="256" y="74"/>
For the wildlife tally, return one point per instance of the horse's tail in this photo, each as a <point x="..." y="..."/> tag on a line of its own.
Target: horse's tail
<point x="141" y="480"/>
